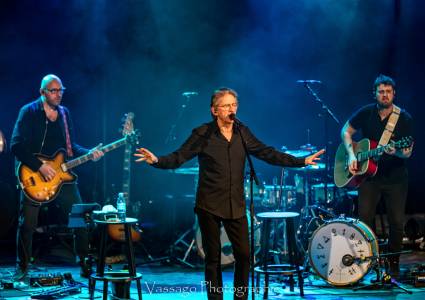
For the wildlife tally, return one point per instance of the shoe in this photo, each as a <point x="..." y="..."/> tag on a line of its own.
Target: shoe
<point x="20" y="274"/>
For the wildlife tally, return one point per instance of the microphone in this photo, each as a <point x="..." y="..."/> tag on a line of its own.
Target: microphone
<point x="188" y="94"/>
<point x="232" y="117"/>
<point x="309" y="81"/>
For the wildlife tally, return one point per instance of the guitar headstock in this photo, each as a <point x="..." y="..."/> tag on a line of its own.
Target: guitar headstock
<point x="404" y="142"/>
<point x="128" y="125"/>
<point x="132" y="135"/>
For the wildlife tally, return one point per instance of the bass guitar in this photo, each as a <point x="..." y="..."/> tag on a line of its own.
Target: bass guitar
<point x="40" y="191"/>
<point x="367" y="153"/>
<point x="116" y="231"/>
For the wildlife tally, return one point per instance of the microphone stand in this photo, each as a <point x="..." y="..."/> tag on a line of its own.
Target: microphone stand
<point x="252" y="177"/>
<point x="171" y="135"/>
<point x="327" y="113"/>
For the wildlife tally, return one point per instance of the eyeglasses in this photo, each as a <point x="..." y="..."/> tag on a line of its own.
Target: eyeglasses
<point x="56" y="91"/>
<point x="383" y="92"/>
<point x="228" y="106"/>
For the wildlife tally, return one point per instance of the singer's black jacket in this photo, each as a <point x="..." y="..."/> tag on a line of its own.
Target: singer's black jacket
<point x="221" y="166"/>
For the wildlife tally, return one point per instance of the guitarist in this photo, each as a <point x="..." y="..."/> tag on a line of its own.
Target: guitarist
<point x="44" y="126"/>
<point x="391" y="179"/>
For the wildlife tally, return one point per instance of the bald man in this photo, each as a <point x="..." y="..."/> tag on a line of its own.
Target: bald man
<point x="44" y="126"/>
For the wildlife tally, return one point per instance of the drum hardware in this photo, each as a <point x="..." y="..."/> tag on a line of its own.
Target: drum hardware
<point x="383" y="279"/>
<point x="258" y="191"/>
<point x="227" y="257"/>
<point x="188" y="237"/>
<point x="326" y="114"/>
<point x="186" y="171"/>
<point x="171" y="136"/>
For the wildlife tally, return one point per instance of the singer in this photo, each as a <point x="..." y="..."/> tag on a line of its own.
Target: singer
<point x="220" y="194"/>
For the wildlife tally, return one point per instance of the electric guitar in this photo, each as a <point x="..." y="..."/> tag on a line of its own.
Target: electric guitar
<point x="116" y="231"/>
<point x="40" y="191"/>
<point x="367" y="153"/>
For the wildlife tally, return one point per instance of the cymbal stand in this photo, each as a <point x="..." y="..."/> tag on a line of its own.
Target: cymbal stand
<point x="191" y="232"/>
<point x="326" y="113"/>
<point x="281" y="205"/>
<point x="171" y="136"/>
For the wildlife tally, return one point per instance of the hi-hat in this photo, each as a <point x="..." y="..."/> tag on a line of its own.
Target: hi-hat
<point x="304" y="151"/>
<point x="311" y="168"/>
<point x="299" y="153"/>
<point x="186" y="171"/>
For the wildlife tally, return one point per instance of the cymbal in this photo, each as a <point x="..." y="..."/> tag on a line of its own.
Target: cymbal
<point x="299" y="153"/>
<point x="186" y="171"/>
<point x="311" y="168"/>
<point x="309" y="147"/>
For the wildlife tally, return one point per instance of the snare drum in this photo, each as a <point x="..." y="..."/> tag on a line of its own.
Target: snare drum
<point x="318" y="193"/>
<point x="258" y="191"/>
<point x="272" y="196"/>
<point x="342" y="250"/>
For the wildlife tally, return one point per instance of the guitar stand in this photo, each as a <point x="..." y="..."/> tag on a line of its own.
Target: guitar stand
<point x="188" y="246"/>
<point x="172" y="258"/>
<point x="150" y="258"/>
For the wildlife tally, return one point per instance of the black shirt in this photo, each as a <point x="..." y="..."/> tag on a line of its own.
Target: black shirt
<point x="54" y="139"/>
<point x="390" y="168"/>
<point x="221" y="166"/>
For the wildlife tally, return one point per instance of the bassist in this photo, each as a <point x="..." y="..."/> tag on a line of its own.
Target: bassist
<point x="391" y="180"/>
<point x="44" y="126"/>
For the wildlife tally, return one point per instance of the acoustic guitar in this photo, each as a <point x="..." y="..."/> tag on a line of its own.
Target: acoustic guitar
<point x="367" y="153"/>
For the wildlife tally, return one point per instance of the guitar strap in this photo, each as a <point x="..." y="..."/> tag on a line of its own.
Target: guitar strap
<point x="389" y="128"/>
<point x="67" y="137"/>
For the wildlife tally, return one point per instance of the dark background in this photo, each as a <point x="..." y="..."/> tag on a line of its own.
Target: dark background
<point x="120" y="56"/>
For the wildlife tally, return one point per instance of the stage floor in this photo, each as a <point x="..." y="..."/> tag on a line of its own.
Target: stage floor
<point x="177" y="282"/>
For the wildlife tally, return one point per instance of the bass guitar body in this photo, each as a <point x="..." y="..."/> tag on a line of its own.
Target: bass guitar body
<point x="36" y="188"/>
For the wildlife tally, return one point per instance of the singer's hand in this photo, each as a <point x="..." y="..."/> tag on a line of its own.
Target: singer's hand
<point x="145" y="155"/>
<point x="311" y="160"/>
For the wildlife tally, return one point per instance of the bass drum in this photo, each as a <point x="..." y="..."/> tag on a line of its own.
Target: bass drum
<point x="340" y="251"/>
<point x="226" y="246"/>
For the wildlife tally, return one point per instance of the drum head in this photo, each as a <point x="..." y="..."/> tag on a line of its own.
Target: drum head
<point x="226" y="247"/>
<point x="227" y="257"/>
<point x="339" y="248"/>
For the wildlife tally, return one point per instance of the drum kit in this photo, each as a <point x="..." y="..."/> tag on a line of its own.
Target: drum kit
<point x="337" y="247"/>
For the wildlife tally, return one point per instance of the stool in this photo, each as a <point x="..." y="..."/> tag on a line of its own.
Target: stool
<point x="279" y="269"/>
<point x="124" y="277"/>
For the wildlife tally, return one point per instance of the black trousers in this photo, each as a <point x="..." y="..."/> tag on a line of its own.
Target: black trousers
<point x="394" y="195"/>
<point x="237" y="231"/>
<point x="28" y="220"/>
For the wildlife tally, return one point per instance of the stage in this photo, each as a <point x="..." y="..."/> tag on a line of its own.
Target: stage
<point x="175" y="281"/>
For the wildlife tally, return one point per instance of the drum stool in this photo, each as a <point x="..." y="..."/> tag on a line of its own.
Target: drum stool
<point x="279" y="269"/>
<point x="121" y="279"/>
